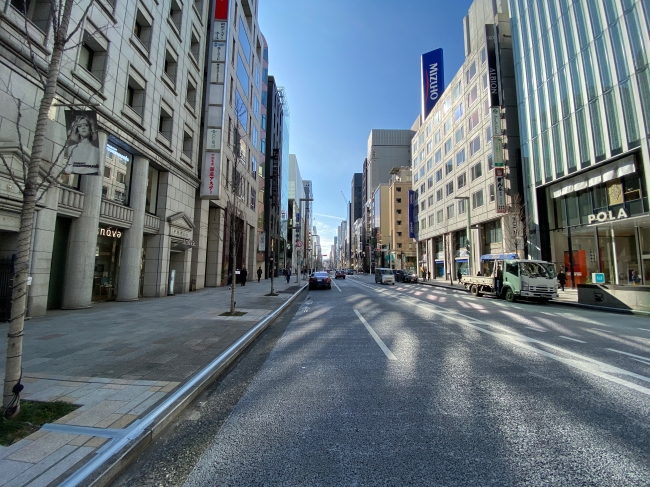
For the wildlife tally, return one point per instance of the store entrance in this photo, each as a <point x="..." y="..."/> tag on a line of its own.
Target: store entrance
<point x="107" y="264"/>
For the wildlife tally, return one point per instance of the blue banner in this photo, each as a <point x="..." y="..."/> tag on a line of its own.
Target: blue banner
<point x="433" y="80"/>
<point x="411" y="222"/>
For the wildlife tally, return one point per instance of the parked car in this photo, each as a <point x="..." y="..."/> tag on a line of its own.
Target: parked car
<point x="320" y="279"/>
<point x="405" y="276"/>
<point x="384" y="276"/>
<point x="339" y="273"/>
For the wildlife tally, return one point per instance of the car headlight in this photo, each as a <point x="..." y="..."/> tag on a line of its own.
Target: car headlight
<point x="524" y="286"/>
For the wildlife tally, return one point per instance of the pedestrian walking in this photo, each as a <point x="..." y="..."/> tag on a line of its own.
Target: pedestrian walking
<point x="243" y="273"/>
<point x="561" y="279"/>
<point x="459" y="275"/>
<point x="499" y="280"/>
<point x="428" y="275"/>
<point x="259" y="273"/>
<point x="288" y="274"/>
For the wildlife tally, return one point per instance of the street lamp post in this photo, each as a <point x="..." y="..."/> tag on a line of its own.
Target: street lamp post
<point x="469" y="230"/>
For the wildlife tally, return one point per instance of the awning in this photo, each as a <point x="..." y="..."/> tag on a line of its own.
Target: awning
<point x="461" y="259"/>
<point x="594" y="177"/>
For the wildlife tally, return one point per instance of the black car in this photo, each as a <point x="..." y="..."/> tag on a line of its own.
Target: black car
<point x="320" y="279"/>
<point x="405" y="276"/>
<point x="339" y="273"/>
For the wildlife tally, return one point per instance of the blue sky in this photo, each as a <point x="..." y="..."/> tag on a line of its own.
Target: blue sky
<point x="349" y="66"/>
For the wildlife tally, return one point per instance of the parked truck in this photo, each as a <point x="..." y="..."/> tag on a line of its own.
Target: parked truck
<point x="509" y="277"/>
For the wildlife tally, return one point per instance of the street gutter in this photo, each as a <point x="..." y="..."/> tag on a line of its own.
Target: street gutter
<point x="121" y="450"/>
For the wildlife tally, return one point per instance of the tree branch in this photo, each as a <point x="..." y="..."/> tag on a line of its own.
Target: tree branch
<point x="11" y="174"/>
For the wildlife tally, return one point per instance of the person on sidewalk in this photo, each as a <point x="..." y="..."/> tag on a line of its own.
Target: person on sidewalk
<point x="243" y="273"/>
<point x="259" y="273"/>
<point x="428" y="275"/>
<point x="288" y="274"/>
<point x="499" y="279"/>
<point x="561" y="279"/>
<point x="459" y="275"/>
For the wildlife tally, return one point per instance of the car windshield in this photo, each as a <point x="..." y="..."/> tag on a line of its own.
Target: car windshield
<point x="320" y="274"/>
<point x="387" y="271"/>
<point x="534" y="269"/>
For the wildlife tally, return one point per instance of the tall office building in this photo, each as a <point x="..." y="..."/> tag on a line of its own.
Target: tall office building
<point x="465" y="152"/>
<point x="583" y="85"/>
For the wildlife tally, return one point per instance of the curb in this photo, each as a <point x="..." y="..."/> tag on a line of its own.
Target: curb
<point x="99" y="472"/>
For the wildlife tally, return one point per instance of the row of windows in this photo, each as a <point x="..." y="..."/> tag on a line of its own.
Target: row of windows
<point x="458" y="208"/>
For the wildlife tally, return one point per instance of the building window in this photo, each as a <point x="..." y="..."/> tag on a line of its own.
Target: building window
<point x="423" y="188"/>
<point x="472" y="96"/>
<point x="448" y="146"/>
<point x="176" y="15"/>
<point x="165" y="122"/>
<point x="119" y="163"/>
<point x="423" y="206"/>
<point x="438" y="175"/>
<point x="438" y="156"/>
<point x="188" y="143"/>
<point x="92" y="55"/>
<point x="171" y="65"/>
<point x="459" y="112"/>
<point x="423" y="224"/>
<point x="436" y="137"/>
<point x="449" y="167"/>
<point x="152" y="190"/>
<point x="429" y="182"/>
<point x="135" y="93"/>
<point x="439" y="195"/>
<point x="447" y="125"/>
<point x="429" y="164"/>
<point x="490" y="163"/>
<point x="458" y="89"/>
<point x="477" y="171"/>
<point x="195" y="46"/>
<point x="460" y="157"/>
<point x="461" y="180"/>
<point x="477" y="199"/>
<point x="450" y="188"/>
<point x="38" y="11"/>
<point x="470" y="73"/>
<point x="399" y="189"/>
<point x="399" y="245"/>
<point x="440" y="216"/>
<point x="472" y="121"/>
<point x="398" y="200"/>
<point x="492" y="196"/>
<point x="462" y="208"/>
<point x="399" y="212"/>
<point x="459" y="134"/>
<point x="143" y="27"/>
<point x="493" y="232"/>
<point x="253" y="199"/>
<point x="488" y="135"/>
<point x="475" y="145"/>
<point x="450" y="212"/>
<point x="483" y="55"/>
<point x="399" y="222"/>
<point x="191" y="93"/>
<point x="430" y="201"/>
<point x="431" y="221"/>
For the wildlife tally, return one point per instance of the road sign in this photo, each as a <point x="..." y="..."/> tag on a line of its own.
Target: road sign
<point x="298" y="243"/>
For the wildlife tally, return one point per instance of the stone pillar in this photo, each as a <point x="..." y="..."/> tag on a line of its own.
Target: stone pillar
<point x="82" y="243"/>
<point x="199" y="253"/>
<point x="41" y="258"/>
<point x="214" y="247"/>
<point x="129" y="280"/>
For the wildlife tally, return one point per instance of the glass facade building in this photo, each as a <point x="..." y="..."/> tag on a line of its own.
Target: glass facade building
<point x="583" y="87"/>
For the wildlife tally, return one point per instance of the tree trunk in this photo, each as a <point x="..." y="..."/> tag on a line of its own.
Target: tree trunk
<point x="15" y="335"/>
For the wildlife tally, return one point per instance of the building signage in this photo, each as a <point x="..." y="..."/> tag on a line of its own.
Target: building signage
<point x="221" y="10"/>
<point x="497" y="152"/>
<point x="495" y="119"/>
<point x="607" y="216"/>
<point x="82" y="150"/>
<point x="217" y="73"/>
<point x="220" y="31"/>
<point x="411" y="222"/>
<point x="598" y="278"/>
<point x="493" y="72"/>
<point x="109" y="232"/>
<point x="500" y="185"/>
<point x="262" y="245"/>
<point x="214" y="139"/>
<point x="499" y="172"/>
<point x="433" y="80"/>
<point x="219" y="51"/>
<point x="210" y="175"/>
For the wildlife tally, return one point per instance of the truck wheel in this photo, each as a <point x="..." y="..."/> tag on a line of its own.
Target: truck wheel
<point x="474" y="290"/>
<point x="509" y="295"/>
<point x="542" y="300"/>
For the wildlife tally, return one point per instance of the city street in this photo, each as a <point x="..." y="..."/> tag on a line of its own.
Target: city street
<point x="417" y="385"/>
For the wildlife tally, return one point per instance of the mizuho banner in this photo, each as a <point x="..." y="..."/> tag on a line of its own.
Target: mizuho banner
<point x="433" y="80"/>
<point x="411" y="222"/>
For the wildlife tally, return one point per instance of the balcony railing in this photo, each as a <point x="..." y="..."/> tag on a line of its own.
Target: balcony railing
<point x="71" y="202"/>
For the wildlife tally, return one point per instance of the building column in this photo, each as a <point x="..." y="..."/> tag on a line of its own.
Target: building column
<point x="130" y="261"/>
<point x="82" y="242"/>
<point x="41" y="258"/>
<point x="201" y="214"/>
<point x="214" y="250"/>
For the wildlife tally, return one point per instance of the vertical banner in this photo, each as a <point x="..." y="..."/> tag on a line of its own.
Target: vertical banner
<point x="493" y="74"/>
<point x="83" y="143"/>
<point x="411" y="222"/>
<point x="500" y="186"/>
<point x="433" y="80"/>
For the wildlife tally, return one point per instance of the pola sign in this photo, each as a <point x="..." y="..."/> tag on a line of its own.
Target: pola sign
<point x="607" y="216"/>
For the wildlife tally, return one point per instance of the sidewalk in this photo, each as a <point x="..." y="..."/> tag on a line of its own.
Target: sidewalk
<point x="117" y="361"/>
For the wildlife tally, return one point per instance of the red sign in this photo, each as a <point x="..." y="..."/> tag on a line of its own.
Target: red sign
<point x="221" y="10"/>
<point x="498" y="172"/>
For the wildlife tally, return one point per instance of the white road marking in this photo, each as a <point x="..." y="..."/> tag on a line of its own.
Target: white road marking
<point x="536" y="329"/>
<point x="577" y="361"/>
<point x="644" y="329"/>
<point x="572" y="339"/>
<point x="337" y="287"/>
<point x="642" y="361"/>
<point x="628" y="354"/>
<point x="379" y="341"/>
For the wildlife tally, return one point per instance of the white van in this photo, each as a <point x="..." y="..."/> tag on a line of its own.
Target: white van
<point x="384" y="276"/>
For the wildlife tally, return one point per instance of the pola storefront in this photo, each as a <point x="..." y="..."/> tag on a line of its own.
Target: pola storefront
<point x="598" y="222"/>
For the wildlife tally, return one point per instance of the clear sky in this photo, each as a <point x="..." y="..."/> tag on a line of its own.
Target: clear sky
<point x="349" y="66"/>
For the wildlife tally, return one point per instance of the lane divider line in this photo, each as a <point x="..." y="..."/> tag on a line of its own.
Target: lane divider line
<point x="628" y="354"/>
<point x="379" y="341"/>
<point x="337" y="286"/>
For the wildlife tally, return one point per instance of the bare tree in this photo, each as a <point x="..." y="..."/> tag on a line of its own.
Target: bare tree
<point x="514" y="225"/>
<point x="34" y="176"/>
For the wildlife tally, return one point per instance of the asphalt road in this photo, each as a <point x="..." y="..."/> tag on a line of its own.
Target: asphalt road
<point x="414" y="385"/>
